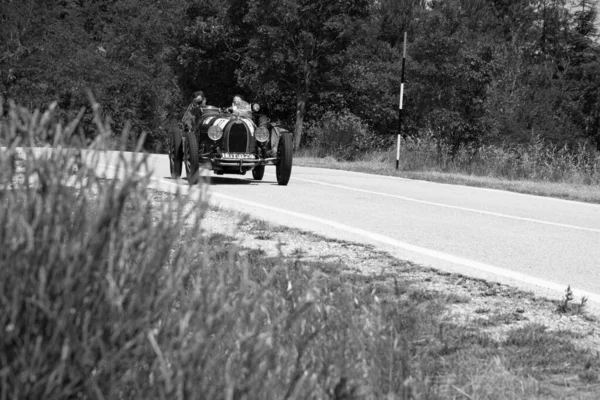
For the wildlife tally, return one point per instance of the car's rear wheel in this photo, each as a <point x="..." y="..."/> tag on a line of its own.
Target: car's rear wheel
<point x="258" y="173"/>
<point x="175" y="154"/>
<point x="191" y="158"/>
<point x="285" y="150"/>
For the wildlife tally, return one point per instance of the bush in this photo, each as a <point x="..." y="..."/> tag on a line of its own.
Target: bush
<point x="343" y="136"/>
<point x="87" y="271"/>
<point x="538" y="160"/>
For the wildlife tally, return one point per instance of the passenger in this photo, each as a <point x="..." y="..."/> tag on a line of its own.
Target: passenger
<point x="193" y="112"/>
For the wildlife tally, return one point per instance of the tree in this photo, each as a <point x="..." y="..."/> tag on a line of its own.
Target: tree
<point x="208" y="52"/>
<point x="394" y="17"/>
<point x="583" y="74"/>
<point x="118" y="49"/>
<point x="293" y="44"/>
<point x="451" y="67"/>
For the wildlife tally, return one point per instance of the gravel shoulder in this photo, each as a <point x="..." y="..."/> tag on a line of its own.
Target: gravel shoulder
<point x="492" y="308"/>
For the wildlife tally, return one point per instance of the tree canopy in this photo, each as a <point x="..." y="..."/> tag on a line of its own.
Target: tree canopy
<point x="477" y="70"/>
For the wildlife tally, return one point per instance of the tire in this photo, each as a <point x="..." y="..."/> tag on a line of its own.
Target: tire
<point x="285" y="151"/>
<point x="191" y="158"/>
<point x="258" y="173"/>
<point x="175" y="154"/>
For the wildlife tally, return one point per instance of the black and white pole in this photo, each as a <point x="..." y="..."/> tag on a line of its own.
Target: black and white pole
<point x="401" y="104"/>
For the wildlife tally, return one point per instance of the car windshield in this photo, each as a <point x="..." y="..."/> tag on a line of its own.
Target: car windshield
<point x="241" y="107"/>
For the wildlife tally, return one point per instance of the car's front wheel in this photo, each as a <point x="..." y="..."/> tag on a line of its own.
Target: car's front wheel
<point x="191" y="158"/>
<point x="175" y="154"/>
<point x="258" y="173"/>
<point x="285" y="150"/>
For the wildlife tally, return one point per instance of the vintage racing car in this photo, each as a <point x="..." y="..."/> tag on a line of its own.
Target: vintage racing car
<point x="229" y="141"/>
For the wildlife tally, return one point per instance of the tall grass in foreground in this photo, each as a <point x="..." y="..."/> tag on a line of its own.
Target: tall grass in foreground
<point x="105" y="295"/>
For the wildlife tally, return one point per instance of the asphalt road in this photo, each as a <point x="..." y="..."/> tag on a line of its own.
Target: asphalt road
<point x="536" y="243"/>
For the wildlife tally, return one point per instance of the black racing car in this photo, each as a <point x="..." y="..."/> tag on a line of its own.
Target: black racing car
<point x="230" y="141"/>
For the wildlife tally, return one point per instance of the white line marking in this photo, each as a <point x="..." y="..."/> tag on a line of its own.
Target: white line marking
<point x="473" y="210"/>
<point x="168" y="186"/>
<point x="507" y="192"/>
<point x="419" y="250"/>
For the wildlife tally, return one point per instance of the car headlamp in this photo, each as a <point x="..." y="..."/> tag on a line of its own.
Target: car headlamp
<point x="215" y="133"/>
<point x="255" y="107"/>
<point x="261" y="134"/>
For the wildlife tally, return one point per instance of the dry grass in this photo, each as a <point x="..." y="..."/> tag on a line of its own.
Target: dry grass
<point x="537" y="167"/>
<point x="106" y="293"/>
<point x="564" y="190"/>
<point x="480" y="356"/>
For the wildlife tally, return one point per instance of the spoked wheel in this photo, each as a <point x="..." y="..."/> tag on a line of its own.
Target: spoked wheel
<point x="175" y="154"/>
<point x="258" y="173"/>
<point x="191" y="158"/>
<point x="285" y="150"/>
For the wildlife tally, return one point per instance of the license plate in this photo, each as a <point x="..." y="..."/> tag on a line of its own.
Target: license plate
<point x="237" y="155"/>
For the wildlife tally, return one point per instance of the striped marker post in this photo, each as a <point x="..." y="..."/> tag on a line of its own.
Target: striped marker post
<point x="401" y="104"/>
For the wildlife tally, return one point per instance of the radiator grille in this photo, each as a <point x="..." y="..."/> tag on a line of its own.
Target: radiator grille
<point x="238" y="139"/>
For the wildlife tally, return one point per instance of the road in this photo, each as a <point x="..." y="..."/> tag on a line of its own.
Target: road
<point x="535" y="243"/>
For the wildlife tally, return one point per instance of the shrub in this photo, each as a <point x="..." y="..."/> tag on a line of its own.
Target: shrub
<point x="537" y="160"/>
<point x="343" y="136"/>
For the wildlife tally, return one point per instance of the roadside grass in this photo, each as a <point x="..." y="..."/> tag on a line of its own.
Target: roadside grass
<point x="452" y="359"/>
<point x="538" y="168"/>
<point x="109" y="290"/>
<point x="410" y="333"/>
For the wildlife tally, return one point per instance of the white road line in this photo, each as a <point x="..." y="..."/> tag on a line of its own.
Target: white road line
<point x="506" y="192"/>
<point x="419" y="250"/>
<point x="172" y="187"/>
<point x="431" y="203"/>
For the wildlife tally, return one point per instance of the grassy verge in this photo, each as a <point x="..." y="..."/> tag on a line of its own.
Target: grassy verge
<point x="565" y="190"/>
<point x="537" y="167"/>
<point x="414" y="332"/>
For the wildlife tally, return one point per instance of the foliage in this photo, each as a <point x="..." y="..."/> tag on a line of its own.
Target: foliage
<point x="58" y="50"/>
<point x="342" y="135"/>
<point x="207" y="51"/>
<point x="293" y="44"/>
<point x="566" y="305"/>
<point x="537" y="161"/>
<point x="477" y="72"/>
<point x="369" y="84"/>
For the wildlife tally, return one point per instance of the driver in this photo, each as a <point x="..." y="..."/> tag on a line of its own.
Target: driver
<point x="194" y="110"/>
<point x="240" y="106"/>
